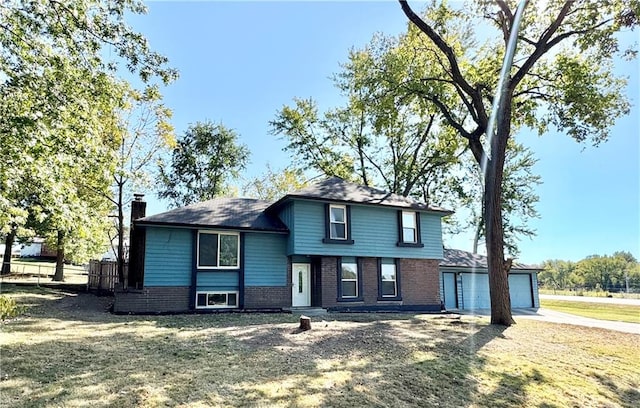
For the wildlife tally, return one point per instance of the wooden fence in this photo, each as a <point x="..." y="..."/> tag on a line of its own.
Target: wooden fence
<point x="103" y="275"/>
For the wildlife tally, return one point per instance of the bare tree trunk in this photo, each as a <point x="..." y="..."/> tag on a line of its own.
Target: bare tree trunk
<point x="476" y="235"/>
<point x="494" y="232"/>
<point x="120" y="254"/>
<point x="6" y="260"/>
<point x="59" y="274"/>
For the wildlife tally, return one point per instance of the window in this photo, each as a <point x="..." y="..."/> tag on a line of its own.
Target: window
<point x="218" y="250"/>
<point x="216" y="300"/>
<point x="409" y="229"/>
<point x="388" y="279"/>
<point x="409" y="226"/>
<point x="337" y="222"/>
<point x="349" y="280"/>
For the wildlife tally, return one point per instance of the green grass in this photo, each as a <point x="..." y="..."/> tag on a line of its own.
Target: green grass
<point x="68" y="351"/>
<point x="602" y="311"/>
<point x="589" y="293"/>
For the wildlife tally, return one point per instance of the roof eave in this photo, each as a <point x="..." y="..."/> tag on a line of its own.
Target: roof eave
<point x="194" y="226"/>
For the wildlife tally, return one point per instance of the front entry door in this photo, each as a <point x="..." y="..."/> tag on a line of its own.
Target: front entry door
<point x="301" y="279"/>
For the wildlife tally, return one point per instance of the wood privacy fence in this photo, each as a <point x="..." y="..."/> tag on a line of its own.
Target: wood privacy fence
<point x="103" y="275"/>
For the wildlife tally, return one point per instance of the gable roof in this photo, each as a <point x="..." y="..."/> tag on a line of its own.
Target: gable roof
<point x="458" y="258"/>
<point x="338" y="190"/>
<point x="236" y="213"/>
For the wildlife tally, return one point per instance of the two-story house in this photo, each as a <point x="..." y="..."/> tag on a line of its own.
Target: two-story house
<point x="334" y="244"/>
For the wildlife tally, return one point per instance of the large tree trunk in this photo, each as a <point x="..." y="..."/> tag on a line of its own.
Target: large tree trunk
<point x="59" y="275"/>
<point x="6" y="260"/>
<point x="494" y="232"/>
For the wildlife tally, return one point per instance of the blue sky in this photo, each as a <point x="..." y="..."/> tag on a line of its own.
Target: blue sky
<point x="240" y="62"/>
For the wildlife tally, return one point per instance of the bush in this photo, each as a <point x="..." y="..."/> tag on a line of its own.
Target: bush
<point x="9" y="308"/>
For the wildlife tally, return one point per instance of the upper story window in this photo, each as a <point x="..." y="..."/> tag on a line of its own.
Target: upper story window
<point x="409" y="229"/>
<point x="218" y="250"/>
<point x="337" y="224"/>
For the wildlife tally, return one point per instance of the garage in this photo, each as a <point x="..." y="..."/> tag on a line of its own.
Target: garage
<point x="465" y="282"/>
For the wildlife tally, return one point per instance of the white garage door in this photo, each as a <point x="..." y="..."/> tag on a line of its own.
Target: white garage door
<point x="475" y="291"/>
<point x="520" y="290"/>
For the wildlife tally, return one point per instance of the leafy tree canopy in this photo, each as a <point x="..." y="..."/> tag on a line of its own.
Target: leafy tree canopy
<point x="206" y="157"/>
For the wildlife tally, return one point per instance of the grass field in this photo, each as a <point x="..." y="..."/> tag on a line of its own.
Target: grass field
<point x="602" y="311"/>
<point x="32" y="270"/>
<point x="590" y="293"/>
<point x="68" y="351"/>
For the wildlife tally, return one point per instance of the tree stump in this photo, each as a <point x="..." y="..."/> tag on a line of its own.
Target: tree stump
<point x="305" y="323"/>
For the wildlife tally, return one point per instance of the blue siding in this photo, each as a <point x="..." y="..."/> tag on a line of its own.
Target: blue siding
<point x="374" y="230"/>
<point x="286" y="216"/>
<point x="218" y="280"/>
<point x="265" y="259"/>
<point x="168" y="253"/>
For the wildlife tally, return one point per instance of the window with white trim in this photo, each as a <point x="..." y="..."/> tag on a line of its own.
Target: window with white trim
<point x="218" y="250"/>
<point x="409" y="227"/>
<point x="337" y="222"/>
<point x="349" y="280"/>
<point x="388" y="280"/>
<point x="216" y="300"/>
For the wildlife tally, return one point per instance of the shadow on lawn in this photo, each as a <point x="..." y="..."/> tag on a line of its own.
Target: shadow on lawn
<point x="248" y="360"/>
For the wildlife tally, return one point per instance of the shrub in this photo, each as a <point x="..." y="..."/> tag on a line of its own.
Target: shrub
<point x="9" y="308"/>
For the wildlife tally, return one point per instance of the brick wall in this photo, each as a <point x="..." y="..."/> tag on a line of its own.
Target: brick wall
<point x="419" y="279"/>
<point x="152" y="300"/>
<point x="267" y="297"/>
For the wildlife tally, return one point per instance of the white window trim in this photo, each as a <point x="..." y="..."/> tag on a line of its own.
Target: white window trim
<point x="349" y="280"/>
<point x="217" y="293"/>
<point x="395" y="280"/>
<point x="344" y="210"/>
<point x="414" y="227"/>
<point x="218" y="257"/>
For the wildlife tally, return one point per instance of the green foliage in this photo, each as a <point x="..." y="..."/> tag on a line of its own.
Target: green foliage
<point x="204" y="160"/>
<point x="274" y="184"/>
<point x="9" y="308"/>
<point x="595" y="272"/>
<point x="59" y="113"/>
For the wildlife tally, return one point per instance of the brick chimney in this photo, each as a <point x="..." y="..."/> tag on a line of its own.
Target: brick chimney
<point x="137" y="238"/>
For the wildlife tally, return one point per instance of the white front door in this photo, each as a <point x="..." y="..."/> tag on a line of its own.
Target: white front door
<point x="301" y="279"/>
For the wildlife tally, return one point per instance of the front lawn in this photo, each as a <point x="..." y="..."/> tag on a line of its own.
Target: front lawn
<point x="68" y="351"/>
<point x="602" y="311"/>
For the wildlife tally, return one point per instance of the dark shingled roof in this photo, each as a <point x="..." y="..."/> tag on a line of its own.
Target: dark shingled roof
<point x="337" y="189"/>
<point x="463" y="259"/>
<point x="236" y="213"/>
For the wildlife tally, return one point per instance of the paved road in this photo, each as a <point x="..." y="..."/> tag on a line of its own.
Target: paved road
<point x="618" y="301"/>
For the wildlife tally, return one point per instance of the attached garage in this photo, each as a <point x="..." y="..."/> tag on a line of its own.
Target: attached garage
<point x="465" y="282"/>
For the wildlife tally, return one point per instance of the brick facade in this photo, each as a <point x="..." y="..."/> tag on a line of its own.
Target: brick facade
<point x="152" y="300"/>
<point x="267" y="297"/>
<point x="419" y="285"/>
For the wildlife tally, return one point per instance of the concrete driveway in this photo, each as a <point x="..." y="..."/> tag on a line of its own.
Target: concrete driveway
<point x="552" y="316"/>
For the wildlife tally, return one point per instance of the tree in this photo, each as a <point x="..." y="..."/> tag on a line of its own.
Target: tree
<point x="274" y="184"/>
<point x="562" y="77"/>
<point x="557" y="274"/>
<point x="58" y="99"/>
<point x="379" y="138"/>
<point x="143" y="132"/>
<point x="205" y="158"/>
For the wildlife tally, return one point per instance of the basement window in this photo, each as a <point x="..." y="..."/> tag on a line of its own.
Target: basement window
<point x="216" y="300"/>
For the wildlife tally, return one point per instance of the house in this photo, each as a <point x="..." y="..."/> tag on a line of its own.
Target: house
<point x="464" y="281"/>
<point x="334" y="244"/>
